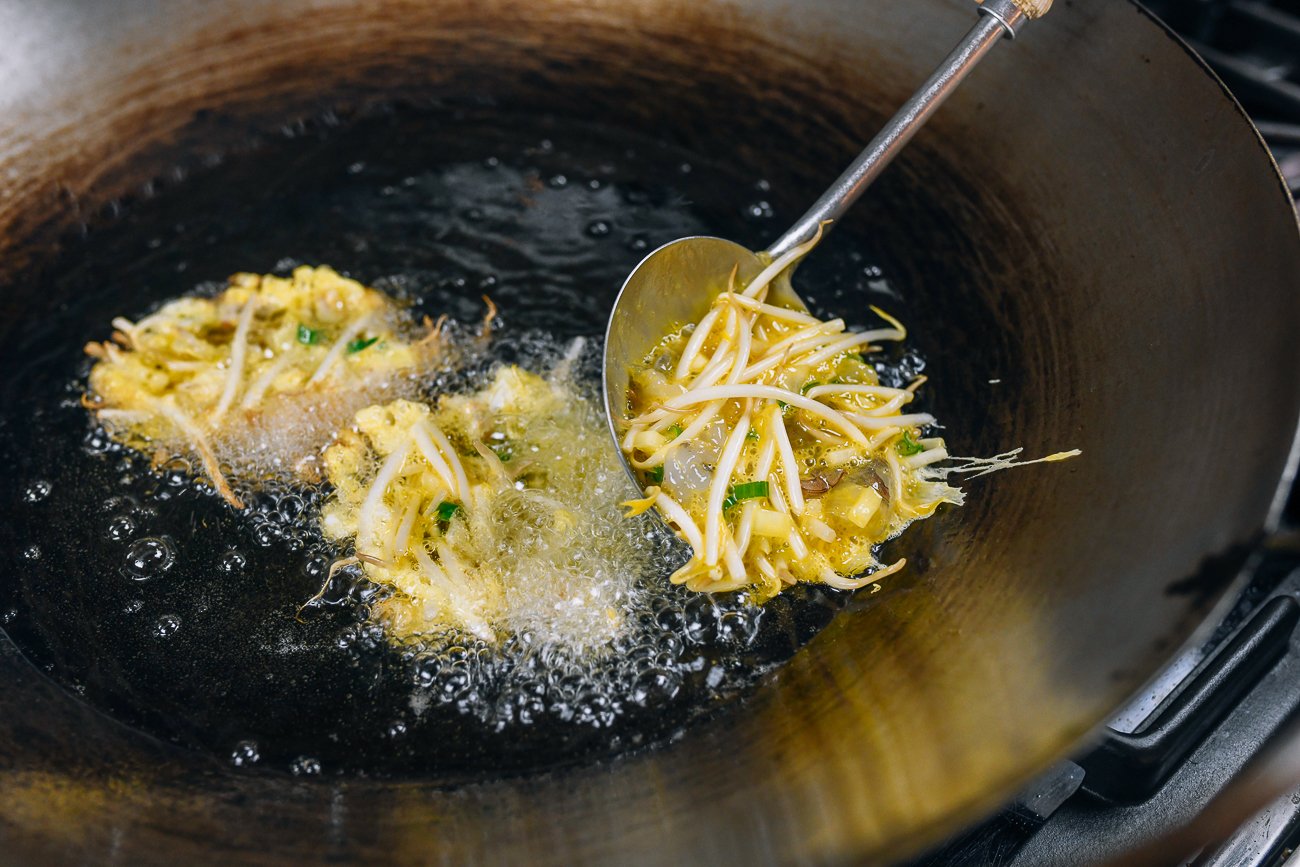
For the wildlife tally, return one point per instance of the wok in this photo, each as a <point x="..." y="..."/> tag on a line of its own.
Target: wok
<point x="1091" y="220"/>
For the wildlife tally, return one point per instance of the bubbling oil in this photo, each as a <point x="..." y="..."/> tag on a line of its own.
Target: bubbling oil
<point x="145" y="594"/>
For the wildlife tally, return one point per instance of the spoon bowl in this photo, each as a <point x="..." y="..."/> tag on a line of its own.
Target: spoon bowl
<point x="672" y="286"/>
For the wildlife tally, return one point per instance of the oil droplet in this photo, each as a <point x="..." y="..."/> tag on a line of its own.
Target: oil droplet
<point x="32" y="552"/>
<point x="149" y="558"/>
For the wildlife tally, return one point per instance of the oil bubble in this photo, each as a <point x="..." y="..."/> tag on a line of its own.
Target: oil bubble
<point x="97" y="442"/>
<point x="120" y="528"/>
<point x="245" y="753"/>
<point x="655" y="687"/>
<point x="36" y="491"/>
<point x="148" y="558"/>
<point x="233" y="562"/>
<point x="265" y="535"/>
<point x="32" y="552"/>
<point x="166" y="626"/>
<point x="316" y="567"/>
<point x="739" y="627"/>
<point x="305" y="766"/>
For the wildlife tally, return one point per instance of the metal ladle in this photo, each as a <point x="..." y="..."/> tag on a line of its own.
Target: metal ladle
<point x="677" y="282"/>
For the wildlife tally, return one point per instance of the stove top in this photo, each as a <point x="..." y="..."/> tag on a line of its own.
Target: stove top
<point x="1163" y="758"/>
<point x="1254" y="46"/>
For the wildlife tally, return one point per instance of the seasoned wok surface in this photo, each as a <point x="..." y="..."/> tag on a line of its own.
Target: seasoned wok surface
<point x="1077" y="250"/>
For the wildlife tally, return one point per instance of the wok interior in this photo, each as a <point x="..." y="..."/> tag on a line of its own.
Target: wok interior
<point x="1068" y="245"/>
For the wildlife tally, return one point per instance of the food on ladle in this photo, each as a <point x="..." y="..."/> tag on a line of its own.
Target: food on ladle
<point x="764" y="436"/>
<point x="493" y="513"/>
<point x="257" y="378"/>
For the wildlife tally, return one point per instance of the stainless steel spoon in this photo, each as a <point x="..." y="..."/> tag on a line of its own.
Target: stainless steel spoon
<point x="677" y="282"/>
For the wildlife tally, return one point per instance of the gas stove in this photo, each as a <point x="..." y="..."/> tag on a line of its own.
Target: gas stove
<point x="1163" y="758"/>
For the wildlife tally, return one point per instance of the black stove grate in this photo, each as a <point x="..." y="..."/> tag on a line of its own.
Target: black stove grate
<point x="1254" y="46"/>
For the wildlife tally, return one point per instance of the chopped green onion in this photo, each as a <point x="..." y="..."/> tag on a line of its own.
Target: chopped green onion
<point x="656" y="474"/>
<point x="745" y="491"/>
<point x="504" y="451"/>
<point x="810" y="384"/>
<point x="361" y="343"/>
<point x="447" y="510"/>
<point x="907" y="446"/>
<point x="785" y="407"/>
<point x="308" y="336"/>
<point x="752" y="435"/>
<point x="674" y="431"/>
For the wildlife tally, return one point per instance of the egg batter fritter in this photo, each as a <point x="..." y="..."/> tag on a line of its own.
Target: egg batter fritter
<point x="255" y="380"/>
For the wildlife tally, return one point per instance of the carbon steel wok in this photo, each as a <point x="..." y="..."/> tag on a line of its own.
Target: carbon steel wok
<point x="1091" y="219"/>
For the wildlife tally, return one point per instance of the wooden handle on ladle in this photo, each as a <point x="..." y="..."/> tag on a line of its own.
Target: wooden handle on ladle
<point x="1033" y="8"/>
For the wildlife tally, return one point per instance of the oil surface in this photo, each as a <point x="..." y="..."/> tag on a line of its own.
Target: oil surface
<point x="147" y="595"/>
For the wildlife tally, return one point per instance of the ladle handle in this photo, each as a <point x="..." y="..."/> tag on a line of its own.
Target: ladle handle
<point x="1000" y="18"/>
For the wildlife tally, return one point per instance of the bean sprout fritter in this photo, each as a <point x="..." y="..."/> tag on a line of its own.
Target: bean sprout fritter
<point x="258" y="377"/>
<point x="493" y="513"/>
<point x="764" y="437"/>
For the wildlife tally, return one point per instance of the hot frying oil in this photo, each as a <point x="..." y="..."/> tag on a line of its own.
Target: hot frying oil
<point x="146" y="594"/>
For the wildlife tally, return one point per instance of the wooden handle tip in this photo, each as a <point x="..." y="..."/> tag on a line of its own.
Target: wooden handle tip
<point x="1034" y="8"/>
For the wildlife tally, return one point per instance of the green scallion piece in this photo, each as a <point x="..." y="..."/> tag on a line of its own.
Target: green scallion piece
<point x="745" y="491"/>
<point x="308" y="336"/>
<point x="810" y="384"/>
<point x="907" y="446"/>
<point x="655" y="474"/>
<point x="361" y="343"/>
<point x="674" y="431"/>
<point x="447" y="510"/>
<point x="752" y="435"/>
